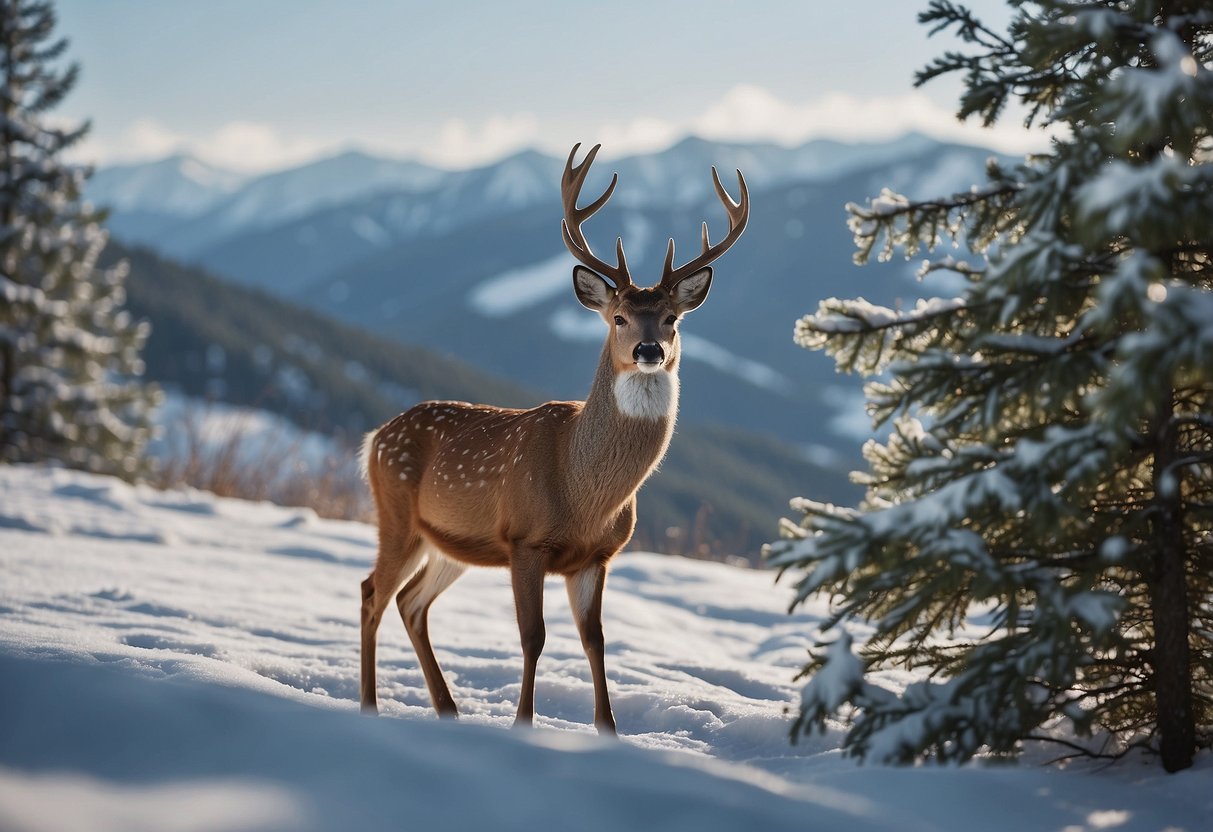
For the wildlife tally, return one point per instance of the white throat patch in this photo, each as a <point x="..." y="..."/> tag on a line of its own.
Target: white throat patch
<point x="646" y="395"/>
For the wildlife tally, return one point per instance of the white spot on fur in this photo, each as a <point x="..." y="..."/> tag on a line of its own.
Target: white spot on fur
<point x="646" y="395"/>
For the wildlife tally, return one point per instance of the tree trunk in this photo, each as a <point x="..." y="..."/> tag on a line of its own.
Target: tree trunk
<point x="1169" y="606"/>
<point x="6" y="388"/>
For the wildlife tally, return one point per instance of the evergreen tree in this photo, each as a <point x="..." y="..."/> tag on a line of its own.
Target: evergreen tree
<point x="69" y="353"/>
<point x="1037" y="531"/>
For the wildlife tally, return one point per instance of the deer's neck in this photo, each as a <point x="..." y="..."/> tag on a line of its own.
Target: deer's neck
<point x="623" y="430"/>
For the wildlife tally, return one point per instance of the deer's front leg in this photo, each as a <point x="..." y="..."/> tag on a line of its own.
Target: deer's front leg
<point x="585" y="599"/>
<point x="526" y="575"/>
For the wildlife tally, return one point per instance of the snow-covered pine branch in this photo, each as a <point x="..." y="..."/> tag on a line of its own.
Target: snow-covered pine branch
<point x="976" y="216"/>
<point x="863" y="337"/>
<point x="1036" y="527"/>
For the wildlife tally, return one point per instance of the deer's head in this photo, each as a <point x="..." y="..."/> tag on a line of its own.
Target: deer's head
<point x="643" y="322"/>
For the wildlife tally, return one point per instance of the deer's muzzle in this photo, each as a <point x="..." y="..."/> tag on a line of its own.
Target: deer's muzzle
<point x="648" y="353"/>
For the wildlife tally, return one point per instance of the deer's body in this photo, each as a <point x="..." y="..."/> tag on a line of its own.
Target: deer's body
<point x="463" y="476"/>
<point x="550" y="490"/>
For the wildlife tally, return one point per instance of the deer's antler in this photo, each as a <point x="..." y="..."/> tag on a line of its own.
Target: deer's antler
<point x="570" y="188"/>
<point x="739" y="215"/>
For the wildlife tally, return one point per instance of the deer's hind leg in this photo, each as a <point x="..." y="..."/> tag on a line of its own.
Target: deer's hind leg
<point x="414" y="602"/>
<point x="400" y="553"/>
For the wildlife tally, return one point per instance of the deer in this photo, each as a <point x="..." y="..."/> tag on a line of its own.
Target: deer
<point x="545" y="491"/>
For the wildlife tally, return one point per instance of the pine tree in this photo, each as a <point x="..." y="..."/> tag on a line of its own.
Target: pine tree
<point x="1037" y="532"/>
<point x="69" y="353"/>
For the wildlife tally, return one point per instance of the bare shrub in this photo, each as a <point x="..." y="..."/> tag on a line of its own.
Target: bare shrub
<point x="230" y="455"/>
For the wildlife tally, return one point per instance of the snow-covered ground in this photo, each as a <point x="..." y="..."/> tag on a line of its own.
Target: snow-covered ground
<point x="174" y="661"/>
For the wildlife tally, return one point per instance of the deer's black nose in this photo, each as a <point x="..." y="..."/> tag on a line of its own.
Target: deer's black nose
<point x="648" y="352"/>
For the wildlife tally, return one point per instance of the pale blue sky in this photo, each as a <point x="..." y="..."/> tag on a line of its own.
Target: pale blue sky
<point x="264" y="83"/>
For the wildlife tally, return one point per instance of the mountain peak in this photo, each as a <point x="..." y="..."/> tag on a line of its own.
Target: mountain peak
<point x="179" y="184"/>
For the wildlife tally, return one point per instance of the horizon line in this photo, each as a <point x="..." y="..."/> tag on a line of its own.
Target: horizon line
<point x="354" y="147"/>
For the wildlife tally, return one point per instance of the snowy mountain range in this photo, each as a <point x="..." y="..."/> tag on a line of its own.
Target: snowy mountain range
<point x="215" y="202"/>
<point x="471" y="263"/>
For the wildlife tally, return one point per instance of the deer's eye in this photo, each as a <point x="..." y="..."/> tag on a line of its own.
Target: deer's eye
<point x="619" y="321"/>
<point x="670" y="321"/>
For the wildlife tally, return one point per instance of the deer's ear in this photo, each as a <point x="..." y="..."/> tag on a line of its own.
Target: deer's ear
<point x="691" y="291"/>
<point x="593" y="292"/>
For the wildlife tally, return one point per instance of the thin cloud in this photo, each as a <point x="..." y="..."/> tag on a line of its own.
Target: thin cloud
<point x="148" y="138"/>
<point x="462" y="144"/>
<point x="238" y="145"/>
<point x="749" y="113"/>
<point x="746" y="112"/>
<point x="752" y="113"/>
<point x="246" y="145"/>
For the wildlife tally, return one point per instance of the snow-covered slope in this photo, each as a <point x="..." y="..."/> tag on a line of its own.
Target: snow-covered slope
<point x="170" y="660"/>
<point x="275" y="198"/>
<point x="178" y="186"/>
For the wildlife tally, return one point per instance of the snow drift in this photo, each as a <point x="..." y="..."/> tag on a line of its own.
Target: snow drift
<point x="174" y="661"/>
